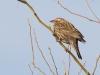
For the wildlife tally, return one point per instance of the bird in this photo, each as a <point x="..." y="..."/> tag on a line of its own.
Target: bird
<point x="67" y="33"/>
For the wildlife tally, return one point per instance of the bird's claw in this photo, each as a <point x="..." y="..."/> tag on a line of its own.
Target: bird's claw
<point x="54" y="34"/>
<point x="58" y="39"/>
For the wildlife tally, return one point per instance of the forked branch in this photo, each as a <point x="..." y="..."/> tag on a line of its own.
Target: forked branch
<point x="79" y="14"/>
<point x="33" y="62"/>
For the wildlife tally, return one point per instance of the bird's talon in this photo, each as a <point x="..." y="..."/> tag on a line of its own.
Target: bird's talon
<point x="54" y="34"/>
<point x="58" y="40"/>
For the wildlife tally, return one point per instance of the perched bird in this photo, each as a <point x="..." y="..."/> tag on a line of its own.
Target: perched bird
<point x="67" y="33"/>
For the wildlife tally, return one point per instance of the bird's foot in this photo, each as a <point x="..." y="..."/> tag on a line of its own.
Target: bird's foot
<point x="58" y="39"/>
<point x="54" y="34"/>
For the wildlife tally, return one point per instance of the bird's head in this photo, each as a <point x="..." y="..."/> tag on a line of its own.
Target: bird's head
<point x="57" y="20"/>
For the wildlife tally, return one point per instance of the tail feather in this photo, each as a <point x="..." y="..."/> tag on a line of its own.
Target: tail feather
<point x="74" y="44"/>
<point x="82" y="40"/>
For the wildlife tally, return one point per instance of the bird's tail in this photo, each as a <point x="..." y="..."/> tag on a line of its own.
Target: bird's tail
<point x="74" y="44"/>
<point x="82" y="40"/>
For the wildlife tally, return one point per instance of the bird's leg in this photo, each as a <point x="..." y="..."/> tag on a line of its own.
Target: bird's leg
<point x="54" y="34"/>
<point x="58" y="39"/>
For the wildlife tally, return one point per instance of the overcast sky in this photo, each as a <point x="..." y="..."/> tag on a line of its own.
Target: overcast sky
<point x="15" y="46"/>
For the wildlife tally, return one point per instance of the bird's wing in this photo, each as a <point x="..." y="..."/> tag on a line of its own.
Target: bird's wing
<point x="70" y="30"/>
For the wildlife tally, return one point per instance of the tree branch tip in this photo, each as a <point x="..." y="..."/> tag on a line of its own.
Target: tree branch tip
<point x="58" y="1"/>
<point x="48" y="47"/>
<point x="27" y="18"/>
<point x="23" y="1"/>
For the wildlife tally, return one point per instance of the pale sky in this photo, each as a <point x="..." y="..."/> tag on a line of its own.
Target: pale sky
<point x="15" y="46"/>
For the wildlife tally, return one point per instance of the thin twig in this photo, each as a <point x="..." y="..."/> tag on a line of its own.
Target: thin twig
<point x="69" y="60"/>
<point x="53" y="60"/>
<point x="65" y="48"/>
<point x="92" y="11"/>
<point x="96" y="65"/>
<point x="77" y="14"/>
<point x="33" y="52"/>
<point x="30" y="69"/>
<point x="92" y="0"/>
<point x="42" y="53"/>
<point x="81" y="68"/>
<point x="64" y="68"/>
<point x="31" y="39"/>
<point x="38" y="68"/>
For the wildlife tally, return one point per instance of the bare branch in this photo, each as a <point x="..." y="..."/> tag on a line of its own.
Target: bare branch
<point x="30" y="69"/>
<point x="64" y="68"/>
<point x="77" y="14"/>
<point x="38" y="68"/>
<point x="69" y="47"/>
<point x="53" y="60"/>
<point x="96" y="65"/>
<point x="31" y="39"/>
<point x="81" y="68"/>
<point x="42" y="53"/>
<point x="92" y="11"/>
<point x="33" y="52"/>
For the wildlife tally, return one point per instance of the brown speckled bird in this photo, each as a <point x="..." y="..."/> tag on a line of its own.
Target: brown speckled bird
<point x="67" y="33"/>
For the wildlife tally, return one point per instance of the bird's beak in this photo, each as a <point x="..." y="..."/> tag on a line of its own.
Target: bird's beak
<point x="52" y="21"/>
